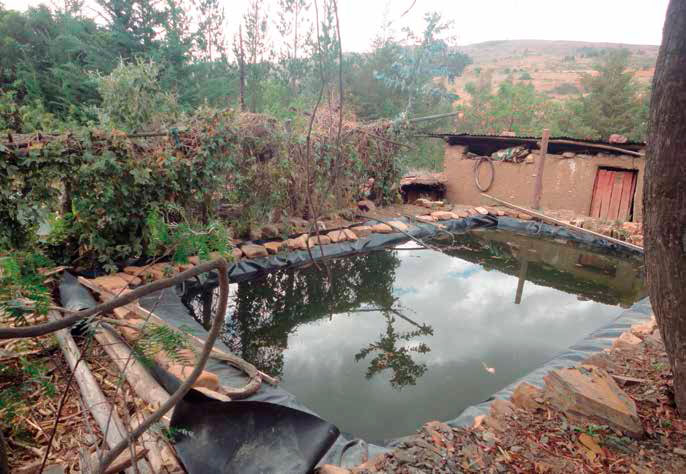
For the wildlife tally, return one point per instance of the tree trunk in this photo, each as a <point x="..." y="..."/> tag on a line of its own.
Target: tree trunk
<point x="664" y="199"/>
<point x="241" y="67"/>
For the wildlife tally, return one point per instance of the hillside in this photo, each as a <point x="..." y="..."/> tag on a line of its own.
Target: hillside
<point x="555" y="67"/>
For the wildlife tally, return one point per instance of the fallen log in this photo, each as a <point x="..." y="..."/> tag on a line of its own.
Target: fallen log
<point x="103" y="413"/>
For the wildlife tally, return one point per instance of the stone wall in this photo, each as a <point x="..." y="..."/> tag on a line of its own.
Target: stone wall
<point x="567" y="180"/>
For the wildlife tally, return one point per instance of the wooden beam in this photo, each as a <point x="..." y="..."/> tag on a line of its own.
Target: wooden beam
<point x="103" y="413"/>
<point x="538" y="186"/>
<point x="596" y="145"/>
<point x="216" y="354"/>
<point x="551" y="220"/>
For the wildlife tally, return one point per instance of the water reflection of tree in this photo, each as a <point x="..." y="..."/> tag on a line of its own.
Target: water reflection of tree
<point x="267" y="310"/>
<point x="394" y="357"/>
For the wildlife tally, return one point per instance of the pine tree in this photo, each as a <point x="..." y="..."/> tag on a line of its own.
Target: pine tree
<point x="611" y="103"/>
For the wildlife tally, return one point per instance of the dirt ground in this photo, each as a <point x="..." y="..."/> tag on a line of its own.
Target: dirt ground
<point x="33" y="381"/>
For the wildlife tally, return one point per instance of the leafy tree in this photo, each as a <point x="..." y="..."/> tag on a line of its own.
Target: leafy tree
<point x="611" y="102"/>
<point x="133" y="99"/>
<point x="422" y="60"/>
<point x="44" y="58"/>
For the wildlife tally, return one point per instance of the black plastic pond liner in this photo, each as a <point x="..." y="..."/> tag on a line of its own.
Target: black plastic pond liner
<point x="215" y="421"/>
<point x="248" y="437"/>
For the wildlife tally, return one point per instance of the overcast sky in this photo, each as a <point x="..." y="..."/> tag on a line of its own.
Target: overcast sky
<point x="616" y="21"/>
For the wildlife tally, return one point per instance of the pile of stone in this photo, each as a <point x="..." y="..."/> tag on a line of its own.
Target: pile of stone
<point x="631" y="232"/>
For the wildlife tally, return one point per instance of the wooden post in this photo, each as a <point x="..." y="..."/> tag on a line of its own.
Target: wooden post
<point x="522" y="275"/>
<point x="538" y="187"/>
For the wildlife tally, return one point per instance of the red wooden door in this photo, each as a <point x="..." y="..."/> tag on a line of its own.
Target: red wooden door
<point x="613" y="194"/>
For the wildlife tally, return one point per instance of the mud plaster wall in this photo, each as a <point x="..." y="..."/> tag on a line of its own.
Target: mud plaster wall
<point x="567" y="182"/>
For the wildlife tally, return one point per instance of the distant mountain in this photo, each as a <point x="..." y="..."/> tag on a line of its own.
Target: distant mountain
<point x="554" y="67"/>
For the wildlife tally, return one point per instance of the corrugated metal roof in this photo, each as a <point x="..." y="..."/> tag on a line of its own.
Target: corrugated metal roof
<point x="487" y="144"/>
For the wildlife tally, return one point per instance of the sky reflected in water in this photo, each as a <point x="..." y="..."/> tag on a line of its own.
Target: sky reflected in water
<point x="402" y="336"/>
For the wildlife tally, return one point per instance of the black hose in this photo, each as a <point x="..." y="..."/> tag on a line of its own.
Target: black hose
<point x="488" y="160"/>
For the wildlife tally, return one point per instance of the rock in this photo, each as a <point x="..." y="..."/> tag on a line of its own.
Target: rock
<point x="361" y="230"/>
<point x="294" y="224"/>
<point x="617" y="138"/>
<point x="206" y="380"/>
<point x="530" y="159"/>
<point x="426" y="218"/>
<point x="589" y="394"/>
<point x="627" y="341"/>
<point x="274" y="247"/>
<point x="525" y="395"/>
<point x="130" y="279"/>
<point x="331" y="469"/>
<point x="195" y="260"/>
<point x="320" y="226"/>
<point x="680" y="451"/>
<point x="569" y="154"/>
<point x="112" y="282"/>
<point x="382" y="229"/>
<point x="129" y="333"/>
<point x="182" y="267"/>
<point x="299" y="243"/>
<point x="366" y="205"/>
<point x="317" y="240"/>
<point x="270" y="231"/>
<point x="349" y="234"/>
<point x="443" y="215"/>
<point x="237" y="253"/>
<point x="632" y="228"/>
<point x="122" y="313"/>
<point x="255" y="234"/>
<point x="643" y="329"/>
<point x="481" y="210"/>
<point x="508" y="133"/>
<point x="398" y="226"/>
<point x="501" y="408"/>
<point x="601" y="360"/>
<point x="524" y="217"/>
<point x="254" y="251"/>
<point x="337" y="236"/>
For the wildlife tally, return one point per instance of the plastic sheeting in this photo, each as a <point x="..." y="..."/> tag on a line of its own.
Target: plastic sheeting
<point x="343" y="449"/>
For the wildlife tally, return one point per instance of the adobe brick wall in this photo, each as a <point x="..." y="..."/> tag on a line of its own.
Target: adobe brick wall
<point x="567" y="182"/>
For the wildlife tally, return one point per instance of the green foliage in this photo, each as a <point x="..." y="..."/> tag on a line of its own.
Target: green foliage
<point x="182" y="239"/>
<point x="22" y="290"/>
<point x="611" y="103"/>
<point x="133" y="99"/>
<point x="423" y="59"/>
<point x="565" y="88"/>
<point x="155" y="339"/>
<point x="525" y="76"/>
<point x="515" y="107"/>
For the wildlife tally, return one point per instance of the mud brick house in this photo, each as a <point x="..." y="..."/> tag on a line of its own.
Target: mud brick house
<point x="596" y="179"/>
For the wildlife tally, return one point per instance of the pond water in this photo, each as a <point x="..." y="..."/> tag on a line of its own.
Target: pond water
<point x="405" y="335"/>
